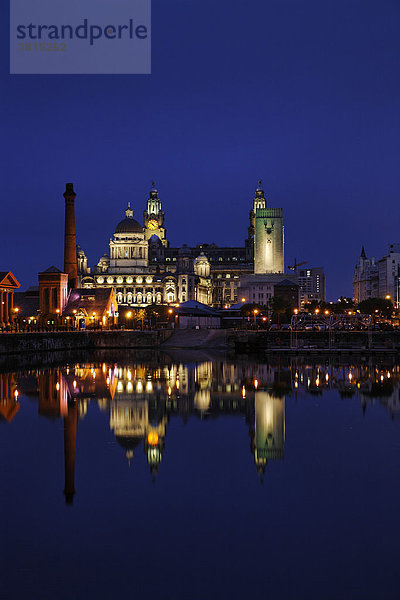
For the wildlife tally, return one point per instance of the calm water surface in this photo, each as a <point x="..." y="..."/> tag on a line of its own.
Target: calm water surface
<point x="209" y="479"/>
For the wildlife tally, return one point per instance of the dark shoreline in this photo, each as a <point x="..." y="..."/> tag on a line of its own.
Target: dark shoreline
<point x="42" y="348"/>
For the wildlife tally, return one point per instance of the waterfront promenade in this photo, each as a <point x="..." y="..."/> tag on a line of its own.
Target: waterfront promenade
<point x="239" y="341"/>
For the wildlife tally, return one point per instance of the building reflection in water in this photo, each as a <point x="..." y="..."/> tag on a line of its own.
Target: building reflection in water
<point x="141" y="399"/>
<point x="9" y="405"/>
<point x="269" y="435"/>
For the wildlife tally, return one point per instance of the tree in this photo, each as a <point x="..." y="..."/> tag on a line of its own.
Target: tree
<point x="247" y="310"/>
<point x="140" y="315"/>
<point x="157" y="313"/>
<point x="376" y="306"/>
<point x="279" y="306"/>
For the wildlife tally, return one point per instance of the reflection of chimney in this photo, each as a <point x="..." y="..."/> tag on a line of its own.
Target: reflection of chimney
<point x="70" y="425"/>
<point x="70" y="263"/>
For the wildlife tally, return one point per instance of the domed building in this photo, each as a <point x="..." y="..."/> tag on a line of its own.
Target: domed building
<point x="129" y="251"/>
<point x="138" y="281"/>
<point x="144" y="268"/>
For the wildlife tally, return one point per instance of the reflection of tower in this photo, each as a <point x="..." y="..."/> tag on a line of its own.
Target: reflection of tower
<point x="9" y="405"/>
<point x="70" y="262"/>
<point x="70" y="426"/>
<point x="269" y="436"/>
<point x="52" y="394"/>
<point x="154" y="446"/>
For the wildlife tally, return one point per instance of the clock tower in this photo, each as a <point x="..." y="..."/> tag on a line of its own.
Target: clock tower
<point x="153" y="218"/>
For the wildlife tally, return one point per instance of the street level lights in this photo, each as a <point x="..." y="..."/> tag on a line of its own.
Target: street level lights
<point x="255" y="311"/>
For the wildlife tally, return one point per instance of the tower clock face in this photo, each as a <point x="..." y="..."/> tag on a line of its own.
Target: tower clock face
<point x="153" y="224"/>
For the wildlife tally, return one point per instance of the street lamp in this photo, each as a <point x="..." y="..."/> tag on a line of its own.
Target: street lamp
<point x="255" y="311"/>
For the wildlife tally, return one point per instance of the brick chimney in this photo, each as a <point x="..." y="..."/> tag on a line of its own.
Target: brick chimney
<point x="70" y="262"/>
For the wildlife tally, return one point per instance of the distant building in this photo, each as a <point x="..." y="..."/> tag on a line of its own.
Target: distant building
<point x="312" y="285"/>
<point x="365" y="278"/>
<point x="259" y="287"/>
<point x="389" y="274"/>
<point x="378" y="279"/>
<point x="288" y="290"/>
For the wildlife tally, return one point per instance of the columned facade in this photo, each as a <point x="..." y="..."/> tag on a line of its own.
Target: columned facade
<point x="8" y="284"/>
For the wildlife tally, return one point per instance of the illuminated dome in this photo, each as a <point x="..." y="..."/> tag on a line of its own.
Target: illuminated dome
<point x="129" y="225"/>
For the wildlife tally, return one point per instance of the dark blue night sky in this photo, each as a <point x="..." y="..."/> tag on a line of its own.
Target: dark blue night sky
<point x="304" y="95"/>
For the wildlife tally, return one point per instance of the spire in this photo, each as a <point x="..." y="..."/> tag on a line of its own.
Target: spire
<point x="259" y="189"/>
<point x="363" y="255"/>
<point x="129" y="212"/>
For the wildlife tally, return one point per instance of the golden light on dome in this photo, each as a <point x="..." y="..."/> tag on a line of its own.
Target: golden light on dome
<point x="152" y="438"/>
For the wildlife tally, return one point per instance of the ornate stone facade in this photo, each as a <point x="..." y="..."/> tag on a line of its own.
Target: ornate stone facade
<point x="145" y="269"/>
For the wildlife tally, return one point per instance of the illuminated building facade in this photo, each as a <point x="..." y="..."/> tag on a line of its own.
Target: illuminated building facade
<point x="8" y="284"/>
<point x="269" y="278"/>
<point x="145" y="269"/>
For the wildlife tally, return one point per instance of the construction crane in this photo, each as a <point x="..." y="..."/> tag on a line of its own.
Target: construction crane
<point x="296" y="265"/>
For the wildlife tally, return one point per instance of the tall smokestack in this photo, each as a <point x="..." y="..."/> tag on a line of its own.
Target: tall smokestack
<point x="70" y="263"/>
